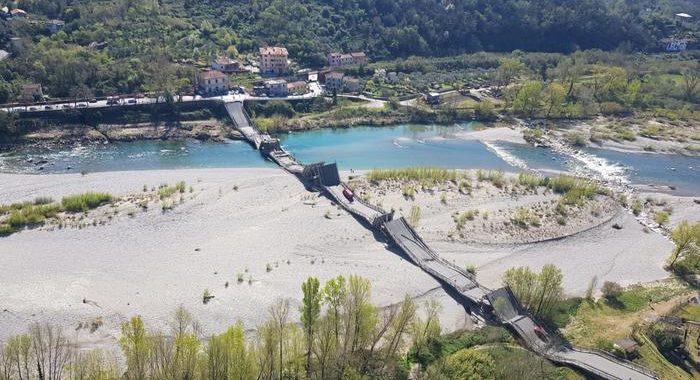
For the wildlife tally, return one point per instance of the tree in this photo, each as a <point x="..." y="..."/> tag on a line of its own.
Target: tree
<point x="528" y="99"/>
<point x="228" y="356"/>
<point x="136" y="348"/>
<point x="51" y="350"/>
<point x="686" y="237"/>
<point x="508" y="70"/>
<point x="310" y="312"/>
<point x="569" y="72"/>
<point x="334" y="295"/>
<point x="485" y="109"/>
<point x="279" y="313"/>
<point x="691" y="79"/>
<point x="611" y="290"/>
<point x="554" y="96"/>
<point x="469" y="364"/>
<point x="537" y="292"/>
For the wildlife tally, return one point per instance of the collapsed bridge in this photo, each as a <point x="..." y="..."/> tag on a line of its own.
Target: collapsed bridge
<point x="495" y="306"/>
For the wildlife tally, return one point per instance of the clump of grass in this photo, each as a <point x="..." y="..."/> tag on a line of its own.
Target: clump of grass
<point x="415" y="215"/>
<point x="461" y="219"/>
<point x="427" y="174"/>
<point x="268" y="268"/>
<point x="240" y="278"/>
<point x="575" y="190"/>
<point x="530" y="181"/>
<point x="408" y="192"/>
<point x="86" y="201"/>
<point x="637" y="207"/>
<point x="496" y="177"/>
<point x="471" y="269"/>
<point x="165" y="191"/>
<point x="661" y="218"/>
<point x="524" y="217"/>
<point x="443" y="198"/>
<point x="465" y="187"/>
<point x="38" y="201"/>
<point x="576" y="139"/>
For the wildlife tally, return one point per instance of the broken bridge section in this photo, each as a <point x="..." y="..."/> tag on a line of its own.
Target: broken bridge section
<point x="498" y="305"/>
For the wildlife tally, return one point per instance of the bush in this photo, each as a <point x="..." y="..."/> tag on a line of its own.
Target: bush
<point x="611" y="290"/>
<point x="433" y="175"/>
<point x="86" y="201"/>
<point x="576" y="139"/>
<point x="661" y="217"/>
<point x="524" y="218"/>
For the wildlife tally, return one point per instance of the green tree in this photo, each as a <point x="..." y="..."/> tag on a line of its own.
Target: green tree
<point x="537" y="292"/>
<point x="554" y="97"/>
<point x="470" y="364"/>
<point x="529" y="98"/>
<point x="310" y="312"/>
<point x="334" y="296"/>
<point x="136" y="348"/>
<point x="508" y="70"/>
<point x="686" y="237"/>
<point x="228" y="356"/>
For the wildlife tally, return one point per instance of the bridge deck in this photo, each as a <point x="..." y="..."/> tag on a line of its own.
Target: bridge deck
<point x="501" y="301"/>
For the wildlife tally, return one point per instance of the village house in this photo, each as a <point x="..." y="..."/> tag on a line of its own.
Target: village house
<point x="351" y="84"/>
<point x="297" y="87"/>
<point x="56" y="25"/>
<point x="32" y="92"/>
<point x="274" y="60"/>
<point x="342" y="59"/>
<point x="211" y="83"/>
<point x="334" y="82"/>
<point x="276" y="87"/>
<point x="225" y="65"/>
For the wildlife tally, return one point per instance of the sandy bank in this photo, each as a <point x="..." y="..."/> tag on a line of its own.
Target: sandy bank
<point x="153" y="262"/>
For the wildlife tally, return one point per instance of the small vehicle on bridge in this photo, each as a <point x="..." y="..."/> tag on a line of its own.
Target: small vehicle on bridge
<point x="348" y="194"/>
<point x="539" y="331"/>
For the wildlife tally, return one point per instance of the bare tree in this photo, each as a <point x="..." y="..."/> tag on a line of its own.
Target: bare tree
<point x="279" y="312"/>
<point x="51" y="350"/>
<point x="691" y="79"/>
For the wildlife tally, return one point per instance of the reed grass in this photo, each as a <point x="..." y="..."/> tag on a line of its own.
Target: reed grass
<point x="422" y="174"/>
<point x="85" y="201"/>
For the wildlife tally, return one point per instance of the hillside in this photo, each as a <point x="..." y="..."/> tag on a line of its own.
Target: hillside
<point x="136" y="42"/>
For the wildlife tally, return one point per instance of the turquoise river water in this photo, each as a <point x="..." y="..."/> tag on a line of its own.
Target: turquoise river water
<point x="359" y="148"/>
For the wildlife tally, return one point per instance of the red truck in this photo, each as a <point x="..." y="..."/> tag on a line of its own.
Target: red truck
<point x="348" y="194"/>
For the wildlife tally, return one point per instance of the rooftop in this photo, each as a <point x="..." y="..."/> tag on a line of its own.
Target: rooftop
<point x="334" y="75"/>
<point x="32" y="87"/>
<point x="358" y="54"/>
<point x="275" y="82"/>
<point x="210" y="74"/>
<point x="273" y="50"/>
<point x="224" y="61"/>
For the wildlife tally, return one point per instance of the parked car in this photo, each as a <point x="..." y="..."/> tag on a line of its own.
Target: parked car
<point x="67" y="106"/>
<point x="82" y="105"/>
<point x="93" y="100"/>
<point x="131" y="101"/>
<point x="48" y="107"/>
<point x="33" y="108"/>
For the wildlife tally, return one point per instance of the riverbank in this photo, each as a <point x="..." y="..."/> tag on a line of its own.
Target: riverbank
<point x="257" y="224"/>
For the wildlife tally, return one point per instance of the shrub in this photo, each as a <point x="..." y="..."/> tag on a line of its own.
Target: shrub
<point x="524" y="218"/>
<point x="611" y="290"/>
<point x="530" y="181"/>
<point x="576" y="139"/>
<point x="661" y="217"/>
<point x="432" y="175"/>
<point x="415" y="216"/>
<point x="85" y="201"/>
<point x="637" y="207"/>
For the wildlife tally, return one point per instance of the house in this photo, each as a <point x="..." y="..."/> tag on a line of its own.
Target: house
<point x="274" y="60"/>
<point x="5" y="13"/>
<point x="225" y="65"/>
<point x="392" y="77"/>
<point x="32" y="92"/>
<point x="211" y="83"/>
<point x="298" y="87"/>
<point x="334" y="81"/>
<point x="351" y="84"/>
<point x="432" y="98"/>
<point x="56" y="25"/>
<point x="334" y="59"/>
<point x="342" y="59"/>
<point x="276" y="87"/>
<point x="359" y="58"/>
<point x="18" y="13"/>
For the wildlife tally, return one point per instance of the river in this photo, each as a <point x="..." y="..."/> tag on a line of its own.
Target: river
<point x="361" y="148"/>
